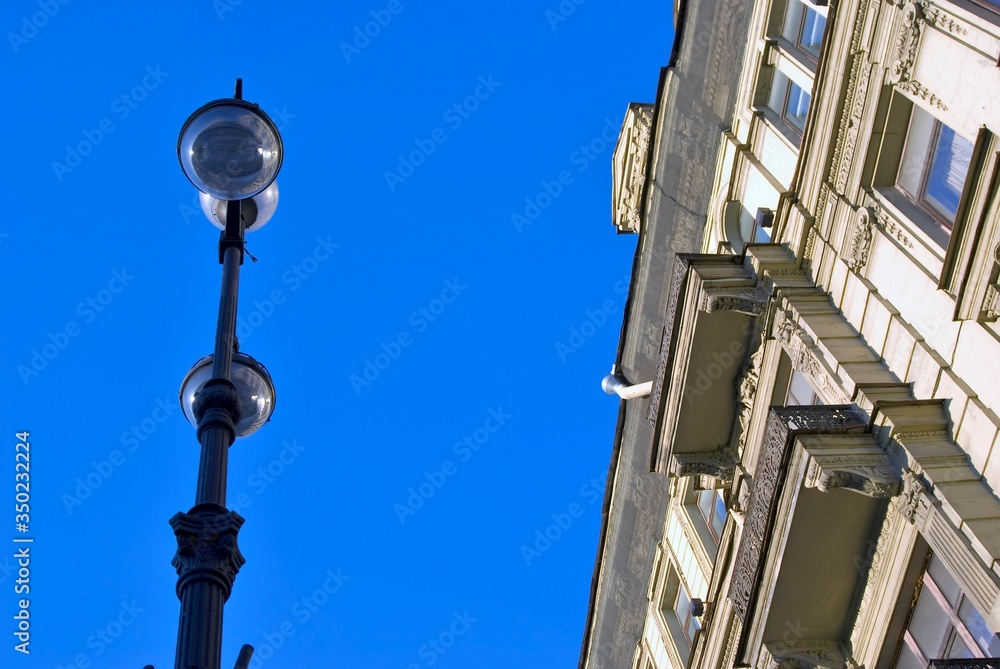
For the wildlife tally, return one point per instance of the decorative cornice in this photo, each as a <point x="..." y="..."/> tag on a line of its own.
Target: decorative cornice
<point x="630" y="161"/>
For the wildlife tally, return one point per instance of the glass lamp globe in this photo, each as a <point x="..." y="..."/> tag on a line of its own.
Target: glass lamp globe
<point x="253" y="386"/>
<point x="230" y="149"/>
<point x="257" y="211"/>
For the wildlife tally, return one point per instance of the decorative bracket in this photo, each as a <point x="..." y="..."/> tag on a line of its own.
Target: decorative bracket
<point x="749" y="300"/>
<point x="853" y="462"/>
<point x="719" y="464"/>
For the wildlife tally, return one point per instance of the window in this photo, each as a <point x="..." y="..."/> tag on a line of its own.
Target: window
<point x="803" y="27"/>
<point x="682" y="609"/>
<point x="789" y="101"/>
<point x="713" y="509"/>
<point x="801" y="392"/>
<point x="934" y="166"/>
<point x="678" y="614"/>
<point x="943" y="623"/>
<point x="748" y="227"/>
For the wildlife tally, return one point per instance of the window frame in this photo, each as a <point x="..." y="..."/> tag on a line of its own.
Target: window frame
<point x="811" y="58"/>
<point x="956" y="627"/>
<point x="944" y="253"/>
<point x="707" y="519"/>
<point x="782" y="115"/>
<point x="685" y="619"/>
<point x="930" y="153"/>
<point x="675" y="627"/>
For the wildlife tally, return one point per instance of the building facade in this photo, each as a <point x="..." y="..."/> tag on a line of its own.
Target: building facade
<point x="810" y="480"/>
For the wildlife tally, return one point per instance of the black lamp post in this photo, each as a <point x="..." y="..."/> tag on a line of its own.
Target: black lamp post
<point x="231" y="151"/>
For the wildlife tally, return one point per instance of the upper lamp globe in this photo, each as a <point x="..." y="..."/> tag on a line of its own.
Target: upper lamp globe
<point x="230" y="149"/>
<point x="253" y="387"/>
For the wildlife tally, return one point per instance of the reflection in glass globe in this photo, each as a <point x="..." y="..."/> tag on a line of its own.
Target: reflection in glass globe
<point x="253" y="387"/>
<point x="256" y="211"/>
<point x="230" y="149"/>
<point x="221" y="153"/>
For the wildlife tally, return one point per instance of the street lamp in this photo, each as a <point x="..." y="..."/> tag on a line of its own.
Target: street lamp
<point x="231" y="151"/>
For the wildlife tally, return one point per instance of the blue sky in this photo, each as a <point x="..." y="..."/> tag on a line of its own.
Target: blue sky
<point x="444" y="227"/>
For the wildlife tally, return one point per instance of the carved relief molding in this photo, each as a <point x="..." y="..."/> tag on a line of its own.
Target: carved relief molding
<point x="824" y="196"/>
<point x="915" y="501"/>
<point x="850" y="124"/>
<point x="629" y="206"/>
<point x="901" y="71"/>
<point x="991" y="304"/>
<point x="939" y="19"/>
<point x="746" y="390"/>
<point x="861" y="240"/>
<point x="802" y="351"/>
<point x="678" y="278"/>
<point x="750" y="300"/>
<point x="887" y="223"/>
<point x="872" y="568"/>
